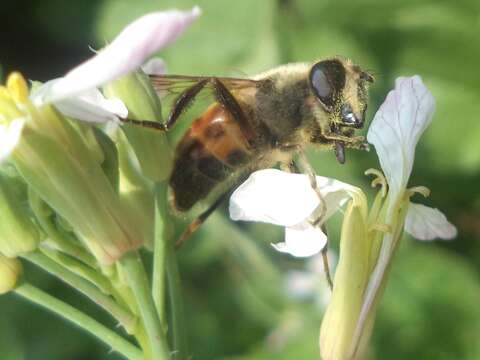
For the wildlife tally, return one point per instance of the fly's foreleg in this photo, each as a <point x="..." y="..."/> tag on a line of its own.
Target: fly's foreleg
<point x="304" y="166"/>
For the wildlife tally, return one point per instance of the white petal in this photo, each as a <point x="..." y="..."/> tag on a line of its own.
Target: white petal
<point x="92" y="106"/>
<point x="127" y="52"/>
<point x="426" y="223"/>
<point x="302" y="241"/>
<point x="155" y="66"/>
<point x="9" y="136"/>
<point x="397" y="127"/>
<point x="282" y="198"/>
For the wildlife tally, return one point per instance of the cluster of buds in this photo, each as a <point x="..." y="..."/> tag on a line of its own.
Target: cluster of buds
<point x="68" y="184"/>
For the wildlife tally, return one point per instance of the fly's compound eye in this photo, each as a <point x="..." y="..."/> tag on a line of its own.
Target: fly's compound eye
<point x="327" y="79"/>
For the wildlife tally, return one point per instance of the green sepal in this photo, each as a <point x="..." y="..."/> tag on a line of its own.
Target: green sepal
<point x="18" y="231"/>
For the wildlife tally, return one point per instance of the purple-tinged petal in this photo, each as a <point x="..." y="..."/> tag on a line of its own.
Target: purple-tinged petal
<point x="127" y="52"/>
<point x="397" y="127"/>
<point x="155" y="66"/>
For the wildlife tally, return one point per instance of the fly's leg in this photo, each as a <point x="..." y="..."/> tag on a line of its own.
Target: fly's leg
<point x="355" y="142"/>
<point x="195" y="224"/>
<point x="183" y="101"/>
<point x="326" y="266"/>
<point x="186" y="98"/>
<point x="230" y="103"/>
<point x="306" y="168"/>
<point x="289" y="166"/>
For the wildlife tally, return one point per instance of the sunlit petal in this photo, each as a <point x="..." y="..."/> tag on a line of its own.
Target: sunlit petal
<point x="9" y="136"/>
<point x="282" y="198"/>
<point x="127" y="52"/>
<point x="92" y="106"/>
<point x="397" y="127"/>
<point x="426" y="223"/>
<point x="302" y="240"/>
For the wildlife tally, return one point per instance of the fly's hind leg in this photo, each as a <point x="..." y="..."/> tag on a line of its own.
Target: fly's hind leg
<point x="183" y="101"/>
<point x="304" y="165"/>
<point x="195" y="224"/>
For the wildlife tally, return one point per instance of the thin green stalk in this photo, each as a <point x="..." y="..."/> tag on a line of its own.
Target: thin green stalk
<point x="138" y="282"/>
<point x="122" y="315"/>
<point x="112" y="339"/>
<point x="79" y="268"/>
<point x="178" y="336"/>
<point x="163" y="235"/>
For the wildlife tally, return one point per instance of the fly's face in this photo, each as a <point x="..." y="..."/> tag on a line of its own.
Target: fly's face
<point x="341" y="89"/>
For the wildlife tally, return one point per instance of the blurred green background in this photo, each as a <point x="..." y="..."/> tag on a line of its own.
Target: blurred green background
<point x="238" y="291"/>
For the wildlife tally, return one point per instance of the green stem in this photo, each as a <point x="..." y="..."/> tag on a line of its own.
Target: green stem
<point x="179" y="343"/>
<point x="138" y="282"/>
<point x="163" y="235"/>
<point x="112" y="339"/>
<point x="126" y="319"/>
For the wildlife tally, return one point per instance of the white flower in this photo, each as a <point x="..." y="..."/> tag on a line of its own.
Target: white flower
<point x="395" y="130"/>
<point x="397" y="126"/>
<point x="76" y="93"/>
<point x="288" y="200"/>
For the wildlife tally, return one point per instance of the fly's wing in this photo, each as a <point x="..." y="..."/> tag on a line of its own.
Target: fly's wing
<point x="178" y="93"/>
<point x="171" y="88"/>
<point x="167" y="85"/>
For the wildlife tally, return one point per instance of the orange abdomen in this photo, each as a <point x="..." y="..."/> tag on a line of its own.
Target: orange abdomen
<point x="213" y="148"/>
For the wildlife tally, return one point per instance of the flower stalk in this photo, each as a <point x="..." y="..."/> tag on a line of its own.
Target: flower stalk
<point x="137" y="280"/>
<point x="121" y="314"/>
<point x="112" y="339"/>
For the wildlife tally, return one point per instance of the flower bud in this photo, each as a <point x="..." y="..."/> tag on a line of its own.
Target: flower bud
<point x="135" y="191"/>
<point x="10" y="271"/>
<point x="351" y="279"/>
<point x="55" y="161"/>
<point x="18" y="232"/>
<point x="150" y="146"/>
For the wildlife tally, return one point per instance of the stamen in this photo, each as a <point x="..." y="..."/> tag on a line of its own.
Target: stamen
<point x="423" y="190"/>
<point x="378" y="180"/>
<point x="17" y="86"/>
